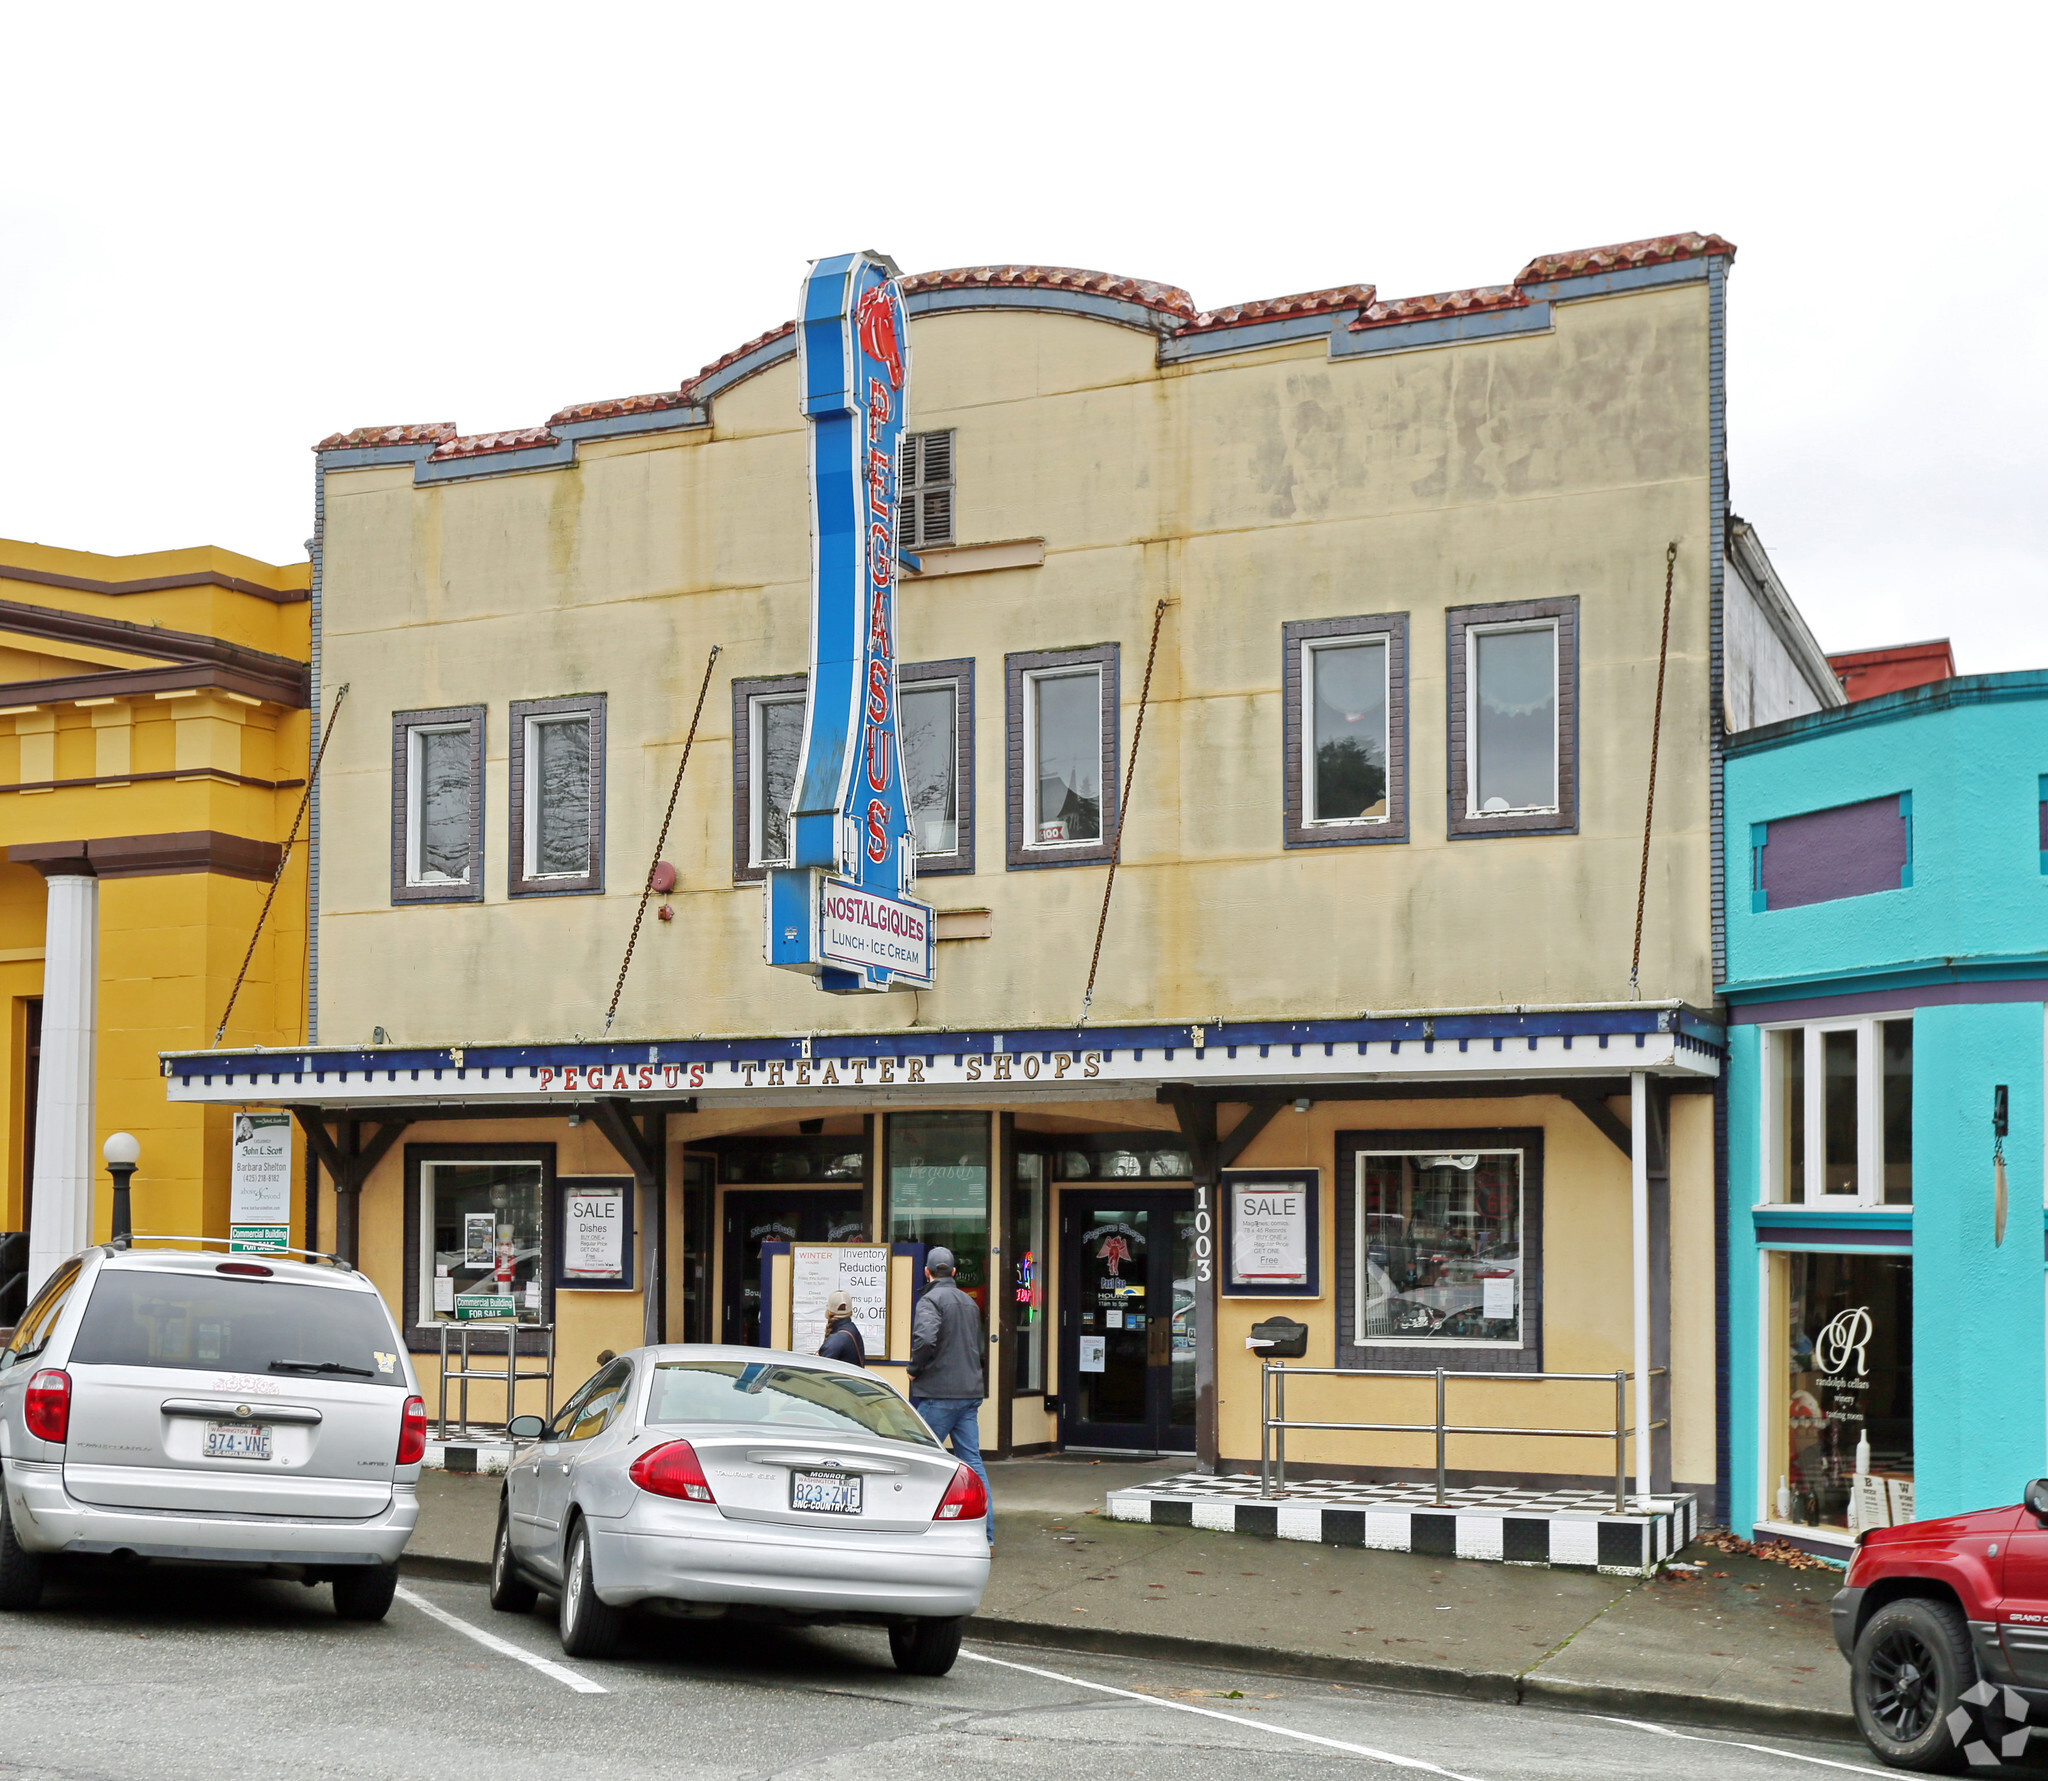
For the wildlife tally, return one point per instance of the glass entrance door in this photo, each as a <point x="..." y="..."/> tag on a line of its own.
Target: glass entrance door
<point x="758" y="1215"/>
<point x="1127" y="1329"/>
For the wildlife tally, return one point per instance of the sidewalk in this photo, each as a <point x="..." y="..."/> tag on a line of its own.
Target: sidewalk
<point x="1749" y="1649"/>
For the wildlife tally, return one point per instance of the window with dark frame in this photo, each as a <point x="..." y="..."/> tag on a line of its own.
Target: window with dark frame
<point x="935" y="726"/>
<point x="557" y="796"/>
<point x="1344" y="684"/>
<point x="768" y="734"/>
<point x="1439" y="1249"/>
<point x="1513" y="714"/>
<point x="437" y="821"/>
<point x="924" y="490"/>
<point x="1061" y="755"/>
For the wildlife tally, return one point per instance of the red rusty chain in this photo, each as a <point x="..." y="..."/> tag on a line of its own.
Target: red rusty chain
<point x="1123" y="809"/>
<point x="661" y="840"/>
<point x="1650" y="805"/>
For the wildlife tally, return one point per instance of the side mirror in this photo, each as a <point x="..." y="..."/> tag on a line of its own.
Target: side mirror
<point x="526" y="1428"/>
<point x="2036" y="1500"/>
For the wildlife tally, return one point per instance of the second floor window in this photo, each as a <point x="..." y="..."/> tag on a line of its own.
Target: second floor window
<point x="1061" y="747"/>
<point x="935" y="725"/>
<point x="768" y="736"/>
<point x="437" y="791"/>
<point x="1838" y="1119"/>
<point x="557" y="795"/>
<point x="1514" y="718"/>
<point x="924" y="490"/>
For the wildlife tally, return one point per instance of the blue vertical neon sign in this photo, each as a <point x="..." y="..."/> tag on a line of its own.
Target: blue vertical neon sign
<point x="840" y="910"/>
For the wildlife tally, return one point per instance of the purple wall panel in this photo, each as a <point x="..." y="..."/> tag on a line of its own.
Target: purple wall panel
<point x="1849" y="851"/>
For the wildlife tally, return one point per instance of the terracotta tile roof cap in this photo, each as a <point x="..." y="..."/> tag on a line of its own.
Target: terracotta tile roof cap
<point x="432" y="433"/>
<point x="1658" y="250"/>
<point x="1266" y="309"/>
<point x="477" y="445"/>
<point x="1421" y="309"/>
<point x="732" y="358"/>
<point x="652" y="403"/>
<point x="1168" y="299"/>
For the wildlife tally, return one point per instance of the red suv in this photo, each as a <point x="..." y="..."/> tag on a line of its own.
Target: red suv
<point x="1945" y="1626"/>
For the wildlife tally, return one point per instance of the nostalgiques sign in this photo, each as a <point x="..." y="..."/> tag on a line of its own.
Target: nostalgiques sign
<point x="841" y="910"/>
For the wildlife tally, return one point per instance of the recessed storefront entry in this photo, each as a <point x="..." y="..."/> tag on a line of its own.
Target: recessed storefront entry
<point x="1128" y="1328"/>
<point x="754" y="1216"/>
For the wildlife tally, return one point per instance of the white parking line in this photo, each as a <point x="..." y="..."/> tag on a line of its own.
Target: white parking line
<point x="1256" y="1725"/>
<point x="547" y="1666"/>
<point x="1664" y="1731"/>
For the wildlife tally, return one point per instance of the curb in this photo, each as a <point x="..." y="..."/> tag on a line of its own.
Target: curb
<point x="1494" y="1686"/>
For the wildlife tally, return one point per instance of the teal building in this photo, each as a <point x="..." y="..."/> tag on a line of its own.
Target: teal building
<point x="1885" y="1338"/>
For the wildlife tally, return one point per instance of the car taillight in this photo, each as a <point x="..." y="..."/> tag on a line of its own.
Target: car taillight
<point x="672" y="1470"/>
<point x="46" y="1406"/>
<point x="964" y="1500"/>
<point x="412" y="1432"/>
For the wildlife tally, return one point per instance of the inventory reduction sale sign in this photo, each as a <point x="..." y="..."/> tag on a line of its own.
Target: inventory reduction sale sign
<point x="1269" y="1234"/>
<point x="860" y="1270"/>
<point x="260" y="1182"/>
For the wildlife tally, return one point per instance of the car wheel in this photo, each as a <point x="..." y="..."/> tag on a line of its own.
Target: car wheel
<point x="364" y="1592"/>
<point x="590" y="1627"/>
<point x="1912" y="1667"/>
<point x="510" y="1592"/>
<point x="925" y="1647"/>
<point x="21" y="1571"/>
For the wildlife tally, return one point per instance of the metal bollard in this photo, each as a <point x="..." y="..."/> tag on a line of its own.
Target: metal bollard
<point x="1439" y="1437"/>
<point x="1620" y="1440"/>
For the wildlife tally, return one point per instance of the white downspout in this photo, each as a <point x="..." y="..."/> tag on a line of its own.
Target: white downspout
<point x="1639" y="1232"/>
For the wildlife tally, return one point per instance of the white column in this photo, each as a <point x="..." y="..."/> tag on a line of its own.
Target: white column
<point x="60" y="1219"/>
<point x="1639" y="1234"/>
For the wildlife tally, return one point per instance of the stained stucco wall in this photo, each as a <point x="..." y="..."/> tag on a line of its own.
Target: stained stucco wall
<point x="1249" y="490"/>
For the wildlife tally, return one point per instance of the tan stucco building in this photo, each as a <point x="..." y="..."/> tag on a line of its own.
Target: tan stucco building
<point x="1373" y="927"/>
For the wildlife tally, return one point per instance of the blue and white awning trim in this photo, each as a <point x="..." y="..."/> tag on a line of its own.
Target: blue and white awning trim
<point x="1564" y="1045"/>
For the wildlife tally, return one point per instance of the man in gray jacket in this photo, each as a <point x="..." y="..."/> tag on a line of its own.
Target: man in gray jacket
<point x="945" y="1366"/>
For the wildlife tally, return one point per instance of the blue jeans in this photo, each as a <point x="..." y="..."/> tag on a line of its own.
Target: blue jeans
<point x="961" y="1419"/>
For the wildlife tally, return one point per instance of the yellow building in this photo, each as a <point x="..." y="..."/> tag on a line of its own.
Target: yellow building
<point x="153" y="749"/>
<point x="1370" y="949"/>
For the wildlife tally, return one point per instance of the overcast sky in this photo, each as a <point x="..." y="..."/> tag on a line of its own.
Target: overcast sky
<point x="225" y="232"/>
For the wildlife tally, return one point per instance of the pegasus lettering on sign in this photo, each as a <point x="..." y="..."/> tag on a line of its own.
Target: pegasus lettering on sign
<point x="841" y="910"/>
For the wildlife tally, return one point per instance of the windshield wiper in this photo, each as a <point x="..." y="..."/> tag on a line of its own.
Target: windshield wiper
<point x="319" y="1366"/>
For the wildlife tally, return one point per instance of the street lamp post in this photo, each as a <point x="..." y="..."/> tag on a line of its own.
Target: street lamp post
<point x="122" y="1154"/>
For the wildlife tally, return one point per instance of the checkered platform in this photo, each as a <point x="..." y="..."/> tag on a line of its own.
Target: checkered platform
<point x="1572" y="1528"/>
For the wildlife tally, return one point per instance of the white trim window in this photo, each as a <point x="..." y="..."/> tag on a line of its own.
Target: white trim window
<point x="482" y="1240"/>
<point x="1838" y="1112"/>
<point x="1439" y="1249"/>
<point x="1063" y="756"/>
<point x="1511" y="672"/>
<point x="440" y="804"/>
<point x="1344" y="721"/>
<point x="928" y="720"/>
<point x="558" y="811"/>
<point x="775" y="735"/>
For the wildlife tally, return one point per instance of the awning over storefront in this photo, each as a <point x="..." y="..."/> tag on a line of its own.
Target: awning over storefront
<point x="1567" y="1046"/>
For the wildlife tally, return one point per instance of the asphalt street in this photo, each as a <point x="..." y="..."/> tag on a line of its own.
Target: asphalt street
<point x="164" y="1675"/>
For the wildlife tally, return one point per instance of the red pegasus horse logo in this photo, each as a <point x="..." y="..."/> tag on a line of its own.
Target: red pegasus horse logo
<point x="1115" y="1252"/>
<point x="874" y="315"/>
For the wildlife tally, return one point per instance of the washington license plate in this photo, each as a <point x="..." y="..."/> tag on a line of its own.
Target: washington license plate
<point x="237" y="1440"/>
<point x="825" y="1493"/>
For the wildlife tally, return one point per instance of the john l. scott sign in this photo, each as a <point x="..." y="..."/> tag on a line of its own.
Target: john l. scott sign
<point x="841" y="909"/>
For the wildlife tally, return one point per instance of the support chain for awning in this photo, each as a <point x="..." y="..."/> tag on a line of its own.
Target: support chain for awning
<point x="1123" y="809"/>
<point x="661" y="840"/>
<point x="283" y="860"/>
<point x="1635" y="964"/>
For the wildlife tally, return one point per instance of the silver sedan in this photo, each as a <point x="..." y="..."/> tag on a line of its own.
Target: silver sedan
<point x="706" y="1482"/>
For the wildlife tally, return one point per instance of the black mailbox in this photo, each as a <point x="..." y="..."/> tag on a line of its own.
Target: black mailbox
<point x="1279" y="1338"/>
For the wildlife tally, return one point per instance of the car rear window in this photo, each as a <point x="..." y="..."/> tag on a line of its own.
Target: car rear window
<point x="770" y="1392"/>
<point x="229" y="1324"/>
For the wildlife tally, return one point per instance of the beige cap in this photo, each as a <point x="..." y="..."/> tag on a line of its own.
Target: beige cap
<point x="839" y="1304"/>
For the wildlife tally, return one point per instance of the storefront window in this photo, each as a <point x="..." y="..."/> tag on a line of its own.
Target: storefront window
<point x="1439" y="1247"/>
<point x="481" y="1229"/>
<point x="1026" y="1258"/>
<point x="938" y="1190"/>
<point x="1845" y="1435"/>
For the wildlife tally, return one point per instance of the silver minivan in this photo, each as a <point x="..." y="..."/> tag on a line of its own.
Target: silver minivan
<point x="240" y="1409"/>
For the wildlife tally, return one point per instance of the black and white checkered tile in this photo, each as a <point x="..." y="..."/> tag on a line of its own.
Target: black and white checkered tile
<point x="1578" y="1529"/>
